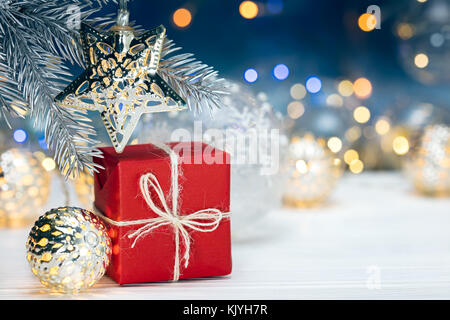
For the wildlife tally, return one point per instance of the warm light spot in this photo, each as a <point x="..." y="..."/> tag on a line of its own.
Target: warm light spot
<point x="400" y="145"/>
<point x="350" y="155"/>
<point x="248" y="9"/>
<point x="182" y="17"/>
<point x="345" y="88"/>
<point x="362" y="88"/>
<point x="298" y="91"/>
<point x="49" y="164"/>
<point x="335" y="100"/>
<point x="353" y="133"/>
<point x="405" y="31"/>
<point x="367" y="22"/>
<point x="421" y="1"/>
<point x="382" y="126"/>
<point x="295" y="109"/>
<point x="301" y="166"/>
<point x="356" y="166"/>
<point x="421" y="60"/>
<point x="361" y="114"/>
<point x="335" y="144"/>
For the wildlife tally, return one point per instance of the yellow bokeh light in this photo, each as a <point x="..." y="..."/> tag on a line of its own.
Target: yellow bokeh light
<point x="362" y="88"/>
<point x="361" y="114"/>
<point x="350" y="155"/>
<point x="421" y="1"/>
<point x="248" y="9"/>
<point x="335" y="100"/>
<point x="345" y="88"/>
<point x="356" y="166"/>
<point x="334" y="144"/>
<point x="48" y="164"/>
<point x="295" y="109"/>
<point x="298" y="91"/>
<point x="301" y="166"/>
<point x="382" y="126"/>
<point x="405" y="31"/>
<point x="421" y="60"/>
<point x="182" y="17"/>
<point x="400" y="145"/>
<point x="367" y="22"/>
<point x="353" y="133"/>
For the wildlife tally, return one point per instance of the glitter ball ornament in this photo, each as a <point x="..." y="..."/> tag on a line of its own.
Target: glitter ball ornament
<point x="429" y="167"/>
<point x="68" y="249"/>
<point x="84" y="188"/>
<point x="313" y="172"/>
<point x="24" y="187"/>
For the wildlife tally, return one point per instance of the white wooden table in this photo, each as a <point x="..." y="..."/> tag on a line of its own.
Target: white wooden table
<point x="375" y="239"/>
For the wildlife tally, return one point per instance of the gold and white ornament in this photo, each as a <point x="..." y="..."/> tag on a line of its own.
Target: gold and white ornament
<point x="313" y="172"/>
<point x="429" y="167"/>
<point x="68" y="249"/>
<point x="24" y="187"/>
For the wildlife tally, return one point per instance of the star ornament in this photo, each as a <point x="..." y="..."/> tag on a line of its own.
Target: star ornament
<point x="121" y="80"/>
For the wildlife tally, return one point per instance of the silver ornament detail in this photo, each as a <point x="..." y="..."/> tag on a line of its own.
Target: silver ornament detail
<point x="68" y="249"/>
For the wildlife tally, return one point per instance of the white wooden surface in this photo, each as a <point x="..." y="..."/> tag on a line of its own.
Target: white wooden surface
<point x="375" y="239"/>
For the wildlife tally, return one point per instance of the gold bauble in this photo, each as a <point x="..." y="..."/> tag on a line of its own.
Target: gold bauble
<point x="313" y="172"/>
<point x="429" y="166"/>
<point x="68" y="249"/>
<point x="24" y="187"/>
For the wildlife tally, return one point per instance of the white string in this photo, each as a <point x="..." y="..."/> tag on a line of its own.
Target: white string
<point x="166" y="216"/>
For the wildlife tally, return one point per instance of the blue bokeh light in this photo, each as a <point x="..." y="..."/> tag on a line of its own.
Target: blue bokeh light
<point x="42" y="143"/>
<point x="313" y="84"/>
<point x="20" y="136"/>
<point x="281" y="72"/>
<point x="275" y="6"/>
<point x="250" y="75"/>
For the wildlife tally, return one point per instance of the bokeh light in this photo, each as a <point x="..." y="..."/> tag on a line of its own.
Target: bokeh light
<point x="421" y="60"/>
<point x="313" y="84"/>
<point x="298" y="91"/>
<point x="361" y="114"/>
<point x="334" y="144"/>
<point x="400" y="145"/>
<point x="248" y="9"/>
<point x="281" y="72"/>
<point x="20" y="136"/>
<point x="356" y="166"/>
<point x="350" y="155"/>
<point x="250" y="75"/>
<point x="362" y="88"/>
<point x="48" y="164"/>
<point x="382" y="126"/>
<point x="182" y="18"/>
<point x="335" y="100"/>
<point x="275" y="6"/>
<point x="301" y="166"/>
<point x="367" y="22"/>
<point x="405" y="31"/>
<point x="345" y="88"/>
<point x="352" y="134"/>
<point x="295" y="109"/>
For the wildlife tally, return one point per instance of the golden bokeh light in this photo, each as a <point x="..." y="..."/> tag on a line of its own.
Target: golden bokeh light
<point x="353" y="133"/>
<point x="182" y="18"/>
<point x="334" y="144"/>
<point x="400" y="145"/>
<point x="362" y="88"/>
<point x="298" y="91"/>
<point x="405" y="31"/>
<point x="382" y="126"/>
<point x="345" y="88"/>
<point x="361" y="114"/>
<point x="335" y="100"/>
<point x="350" y="155"/>
<point x="356" y="166"/>
<point x="421" y="60"/>
<point x="295" y="109"/>
<point x="367" y="22"/>
<point x="248" y="9"/>
<point x="49" y="164"/>
<point x="301" y="166"/>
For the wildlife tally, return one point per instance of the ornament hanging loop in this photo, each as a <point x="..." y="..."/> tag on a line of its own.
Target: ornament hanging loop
<point x="123" y="16"/>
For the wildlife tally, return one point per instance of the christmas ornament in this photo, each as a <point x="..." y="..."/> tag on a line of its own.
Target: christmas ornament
<point x="424" y="47"/>
<point x="68" y="249"/>
<point x="313" y="172"/>
<point x="84" y="188"/>
<point x="121" y="80"/>
<point x="24" y="187"/>
<point x="429" y="167"/>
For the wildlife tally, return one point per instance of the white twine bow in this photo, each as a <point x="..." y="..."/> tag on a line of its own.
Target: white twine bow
<point x="206" y="220"/>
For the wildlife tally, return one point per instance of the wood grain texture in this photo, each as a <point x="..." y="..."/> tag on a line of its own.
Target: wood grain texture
<point x="373" y="228"/>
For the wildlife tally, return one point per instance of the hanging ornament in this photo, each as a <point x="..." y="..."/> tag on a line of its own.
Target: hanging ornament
<point x="121" y="80"/>
<point x="68" y="249"/>
<point x="84" y="188"/>
<point x="313" y="172"/>
<point x="24" y="187"/>
<point x="429" y="166"/>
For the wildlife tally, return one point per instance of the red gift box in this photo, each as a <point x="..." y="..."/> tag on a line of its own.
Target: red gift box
<point x="119" y="197"/>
